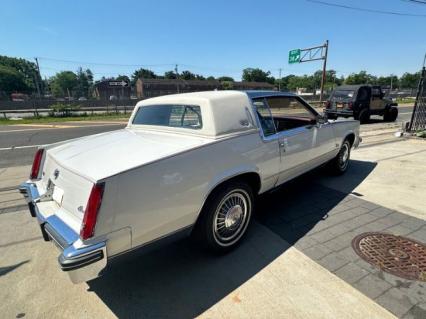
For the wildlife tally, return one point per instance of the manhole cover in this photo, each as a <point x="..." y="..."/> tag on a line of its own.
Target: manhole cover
<point x="396" y="255"/>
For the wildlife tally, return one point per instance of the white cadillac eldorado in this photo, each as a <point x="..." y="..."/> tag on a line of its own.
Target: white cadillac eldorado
<point x="185" y="164"/>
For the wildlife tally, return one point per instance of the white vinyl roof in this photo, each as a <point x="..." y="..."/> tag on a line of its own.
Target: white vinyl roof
<point x="222" y="112"/>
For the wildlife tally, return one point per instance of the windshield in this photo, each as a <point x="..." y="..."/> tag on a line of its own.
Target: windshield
<point x="172" y="115"/>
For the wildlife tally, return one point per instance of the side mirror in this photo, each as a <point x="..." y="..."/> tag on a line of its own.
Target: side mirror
<point x="321" y="119"/>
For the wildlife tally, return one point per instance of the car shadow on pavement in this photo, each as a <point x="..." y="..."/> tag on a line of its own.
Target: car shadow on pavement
<point x="181" y="281"/>
<point x="7" y="269"/>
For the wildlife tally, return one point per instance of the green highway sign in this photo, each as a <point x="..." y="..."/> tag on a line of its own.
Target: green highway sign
<point x="294" y="56"/>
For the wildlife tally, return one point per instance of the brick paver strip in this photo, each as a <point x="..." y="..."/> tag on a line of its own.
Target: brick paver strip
<point x="321" y="222"/>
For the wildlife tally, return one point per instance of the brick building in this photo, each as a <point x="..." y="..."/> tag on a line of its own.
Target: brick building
<point x="104" y="91"/>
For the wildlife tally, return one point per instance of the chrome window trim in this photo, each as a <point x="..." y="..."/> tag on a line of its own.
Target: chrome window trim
<point x="286" y="133"/>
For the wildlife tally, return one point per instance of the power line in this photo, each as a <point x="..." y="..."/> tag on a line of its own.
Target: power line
<point x="104" y="64"/>
<point x="416" y="1"/>
<point x="330" y="4"/>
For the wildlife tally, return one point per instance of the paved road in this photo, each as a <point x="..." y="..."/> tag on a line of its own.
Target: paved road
<point x="404" y="114"/>
<point x="17" y="143"/>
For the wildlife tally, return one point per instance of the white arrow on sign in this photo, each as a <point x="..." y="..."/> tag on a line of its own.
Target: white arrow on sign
<point x="117" y="83"/>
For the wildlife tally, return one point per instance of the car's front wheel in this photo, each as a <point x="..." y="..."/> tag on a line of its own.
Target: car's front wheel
<point x="225" y="217"/>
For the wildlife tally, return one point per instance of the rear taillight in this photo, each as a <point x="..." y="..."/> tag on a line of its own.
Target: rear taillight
<point x="350" y="105"/>
<point x="35" y="169"/>
<point x="327" y="104"/>
<point x="91" y="213"/>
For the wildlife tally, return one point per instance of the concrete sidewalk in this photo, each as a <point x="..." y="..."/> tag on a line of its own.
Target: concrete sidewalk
<point x="398" y="180"/>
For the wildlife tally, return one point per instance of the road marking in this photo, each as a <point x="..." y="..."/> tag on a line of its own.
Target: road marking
<point x="58" y="127"/>
<point x="47" y="125"/>
<point x="18" y="147"/>
<point x="37" y="129"/>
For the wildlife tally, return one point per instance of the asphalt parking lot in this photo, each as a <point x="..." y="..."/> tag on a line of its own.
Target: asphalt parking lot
<point x="298" y="260"/>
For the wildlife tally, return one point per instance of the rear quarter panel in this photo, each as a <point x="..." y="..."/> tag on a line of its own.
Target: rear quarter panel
<point x="344" y="128"/>
<point x="163" y="197"/>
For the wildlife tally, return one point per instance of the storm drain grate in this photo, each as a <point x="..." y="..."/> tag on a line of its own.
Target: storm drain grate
<point x="396" y="255"/>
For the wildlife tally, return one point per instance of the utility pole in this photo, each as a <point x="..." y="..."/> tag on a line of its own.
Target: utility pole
<point x="38" y="85"/>
<point x="177" y="77"/>
<point x="324" y="70"/>
<point x="279" y="82"/>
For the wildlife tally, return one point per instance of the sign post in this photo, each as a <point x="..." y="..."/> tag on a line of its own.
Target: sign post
<point x="311" y="54"/>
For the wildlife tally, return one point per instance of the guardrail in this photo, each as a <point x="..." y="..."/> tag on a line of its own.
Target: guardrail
<point x="92" y="110"/>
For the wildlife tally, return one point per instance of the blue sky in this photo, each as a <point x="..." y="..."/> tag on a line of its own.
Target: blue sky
<point x="212" y="37"/>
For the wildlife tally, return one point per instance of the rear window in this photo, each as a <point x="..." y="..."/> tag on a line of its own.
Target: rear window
<point x="171" y="115"/>
<point x="344" y="94"/>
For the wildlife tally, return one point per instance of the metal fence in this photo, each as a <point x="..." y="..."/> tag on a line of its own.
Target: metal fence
<point x="418" y="119"/>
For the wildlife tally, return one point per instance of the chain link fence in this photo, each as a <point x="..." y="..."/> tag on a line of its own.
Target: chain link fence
<point x="418" y="119"/>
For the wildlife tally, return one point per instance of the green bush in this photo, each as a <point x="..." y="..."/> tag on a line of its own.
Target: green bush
<point x="421" y="134"/>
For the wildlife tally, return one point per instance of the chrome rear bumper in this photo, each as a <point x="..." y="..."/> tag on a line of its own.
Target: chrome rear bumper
<point x="81" y="262"/>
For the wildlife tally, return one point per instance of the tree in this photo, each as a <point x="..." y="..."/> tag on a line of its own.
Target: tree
<point x="227" y="85"/>
<point x="84" y="83"/>
<point x="283" y="82"/>
<point x="257" y="75"/>
<point x="225" y="78"/>
<point x="27" y="70"/>
<point x="387" y="81"/>
<point x="409" y="80"/>
<point x="170" y="75"/>
<point x="63" y="83"/>
<point x="187" y="75"/>
<point x="304" y="81"/>
<point x="361" y="77"/>
<point x="144" y="74"/>
<point x="12" y="81"/>
<point x="211" y="78"/>
<point x="123" y="78"/>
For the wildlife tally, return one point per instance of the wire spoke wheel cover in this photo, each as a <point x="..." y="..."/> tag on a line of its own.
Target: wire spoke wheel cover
<point x="344" y="156"/>
<point x="399" y="256"/>
<point x="231" y="217"/>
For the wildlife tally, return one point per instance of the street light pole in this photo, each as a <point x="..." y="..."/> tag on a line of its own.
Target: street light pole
<point x="177" y="78"/>
<point x="36" y="78"/>
<point x="279" y="82"/>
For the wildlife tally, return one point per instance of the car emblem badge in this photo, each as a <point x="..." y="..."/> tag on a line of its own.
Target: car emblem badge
<point x="56" y="173"/>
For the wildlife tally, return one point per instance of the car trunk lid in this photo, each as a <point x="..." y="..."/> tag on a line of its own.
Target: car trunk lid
<point x="99" y="156"/>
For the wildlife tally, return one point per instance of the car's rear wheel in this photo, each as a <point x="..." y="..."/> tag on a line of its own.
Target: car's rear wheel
<point x="391" y="114"/>
<point x="225" y="217"/>
<point x="340" y="163"/>
<point x="363" y="116"/>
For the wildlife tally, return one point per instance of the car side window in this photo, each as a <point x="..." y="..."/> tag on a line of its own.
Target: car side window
<point x="265" y="117"/>
<point x="376" y="92"/>
<point x="362" y="94"/>
<point x="289" y="112"/>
